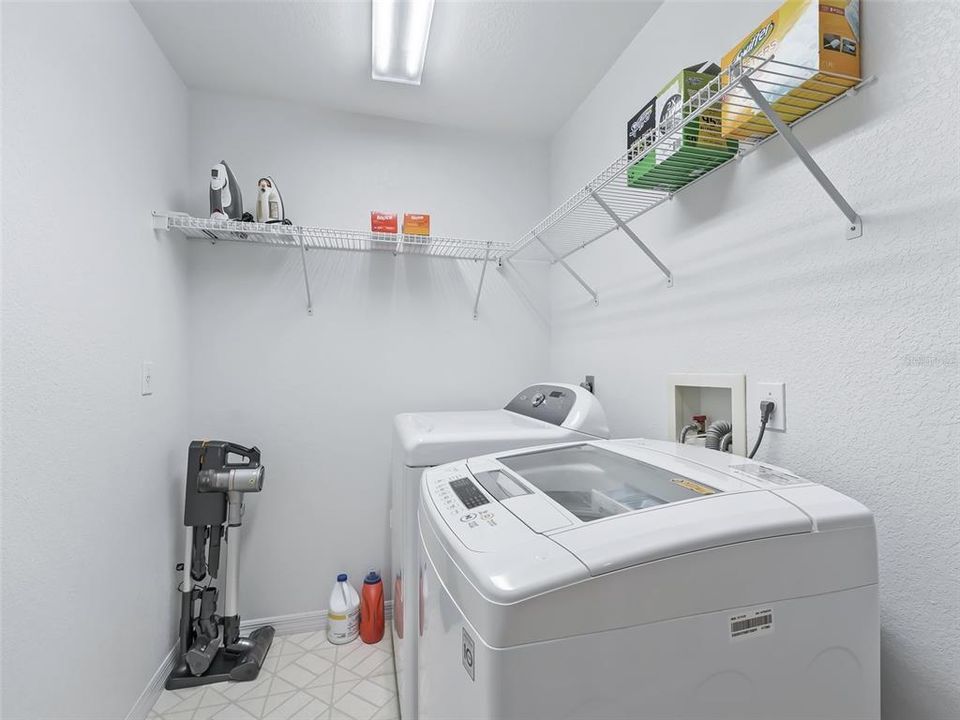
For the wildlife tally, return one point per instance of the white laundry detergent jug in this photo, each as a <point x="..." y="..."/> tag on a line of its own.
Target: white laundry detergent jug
<point x="343" y="617"/>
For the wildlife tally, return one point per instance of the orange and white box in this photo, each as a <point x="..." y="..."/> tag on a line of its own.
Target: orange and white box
<point x="416" y="224"/>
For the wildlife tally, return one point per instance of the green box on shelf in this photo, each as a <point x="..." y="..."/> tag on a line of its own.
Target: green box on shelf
<point x="689" y="153"/>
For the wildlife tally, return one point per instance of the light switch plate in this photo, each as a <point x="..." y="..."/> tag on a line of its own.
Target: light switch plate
<point x="776" y="392"/>
<point x="147" y="378"/>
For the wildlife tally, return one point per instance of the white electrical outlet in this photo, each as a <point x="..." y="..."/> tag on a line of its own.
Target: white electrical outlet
<point x="778" y="393"/>
<point x="146" y="378"/>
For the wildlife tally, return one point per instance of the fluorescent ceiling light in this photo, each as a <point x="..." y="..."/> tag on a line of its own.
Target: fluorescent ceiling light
<point x="401" y="29"/>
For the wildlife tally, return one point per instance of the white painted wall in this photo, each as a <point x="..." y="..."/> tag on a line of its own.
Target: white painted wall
<point x="864" y="333"/>
<point x="318" y="394"/>
<point x="95" y="132"/>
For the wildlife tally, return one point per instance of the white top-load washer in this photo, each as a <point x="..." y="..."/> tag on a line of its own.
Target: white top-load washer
<point x="643" y="579"/>
<point x="540" y="414"/>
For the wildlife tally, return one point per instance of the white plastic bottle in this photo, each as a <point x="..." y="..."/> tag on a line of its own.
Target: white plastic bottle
<point x="343" y="617"/>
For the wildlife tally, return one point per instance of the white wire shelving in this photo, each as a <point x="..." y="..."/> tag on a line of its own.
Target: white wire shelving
<point x="757" y="98"/>
<point x="304" y="238"/>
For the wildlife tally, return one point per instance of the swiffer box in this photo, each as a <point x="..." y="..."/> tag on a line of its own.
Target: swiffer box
<point x="690" y="152"/>
<point x="414" y="224"/>
<point x="807" y="36"/>
<point x="383" y="222"/>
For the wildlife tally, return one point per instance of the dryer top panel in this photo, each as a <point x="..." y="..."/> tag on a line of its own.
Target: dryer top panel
<point x="538" y="415"/>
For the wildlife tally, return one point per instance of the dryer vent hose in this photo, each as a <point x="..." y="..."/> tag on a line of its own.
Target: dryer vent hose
<point x="725" y="442"/>
<point x="685" y="431"/>
<point x="715" y="433"/>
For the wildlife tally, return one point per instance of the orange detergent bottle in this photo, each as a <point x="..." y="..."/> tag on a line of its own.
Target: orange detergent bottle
<point x="371" y="609"/>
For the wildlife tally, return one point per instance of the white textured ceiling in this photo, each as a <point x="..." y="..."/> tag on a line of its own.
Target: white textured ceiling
<point x="520" y="67"/>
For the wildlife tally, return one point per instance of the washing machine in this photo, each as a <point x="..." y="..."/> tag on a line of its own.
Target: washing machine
<point x="642" y="579"/>
<point x="540" y="414"/>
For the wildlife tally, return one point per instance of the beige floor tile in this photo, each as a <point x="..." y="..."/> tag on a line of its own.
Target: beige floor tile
<point x="208" y="711"/>
<point x="371" y="692"/>
<point x="254" y="706"/>
<point x="311" y="711"/>
<point x="181" y="715"/>
<point x="304" y="677"/>
<point x="234" y="712"/>
<point x="289" y="707"/>
<point x="356" y="707"/>
<point x="341" y="689"/>
<point x="167" y="701"/>
<point x="390" y="711"/>
<point x="296" y="675"/>
<point x="252" y="689"/>
<point x="371" y="663"/>
<point x="389" y="682"/>
<point x="314" y="663"/>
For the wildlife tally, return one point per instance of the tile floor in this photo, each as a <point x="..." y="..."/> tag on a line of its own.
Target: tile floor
<point x="303" y="678"/>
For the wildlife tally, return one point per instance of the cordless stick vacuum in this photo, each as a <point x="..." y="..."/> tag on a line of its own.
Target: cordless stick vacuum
<point x="211" y="649"/>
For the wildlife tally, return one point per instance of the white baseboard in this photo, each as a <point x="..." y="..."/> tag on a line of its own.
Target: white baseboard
<point x="312" y="621"/>
<point x="299" y="622"/>
<point x="148" y="698"/>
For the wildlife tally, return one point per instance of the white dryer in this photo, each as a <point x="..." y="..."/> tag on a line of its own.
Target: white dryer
<point x="644" y="579"/>
<point x="540" y="414"/>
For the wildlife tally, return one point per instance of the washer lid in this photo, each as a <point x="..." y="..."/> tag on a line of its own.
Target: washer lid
<point x="672" y="530"/>
<point x="614" y="506"/>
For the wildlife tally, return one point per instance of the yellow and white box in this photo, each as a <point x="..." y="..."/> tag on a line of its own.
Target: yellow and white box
<point x="815" y="46"/>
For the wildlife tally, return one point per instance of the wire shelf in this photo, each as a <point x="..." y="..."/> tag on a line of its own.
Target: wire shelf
<point x="722" y="121"/>
<point x="318" y="238"/>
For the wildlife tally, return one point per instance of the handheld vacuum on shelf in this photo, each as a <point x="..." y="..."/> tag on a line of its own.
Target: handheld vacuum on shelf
<point x="210" y="647"/>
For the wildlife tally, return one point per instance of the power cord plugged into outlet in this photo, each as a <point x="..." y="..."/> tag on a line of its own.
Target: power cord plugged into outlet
<point x="766" y="411"/>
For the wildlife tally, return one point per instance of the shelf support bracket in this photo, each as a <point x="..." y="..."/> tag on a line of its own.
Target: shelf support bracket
<point x="483" y="274"/>
<point x="573" y="273"/>
<point x="306" y="278"/>
<point x="854" y="227"/>
<point x="633" y="236"/>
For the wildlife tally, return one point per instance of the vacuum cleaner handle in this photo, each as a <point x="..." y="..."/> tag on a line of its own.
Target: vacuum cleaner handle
<point x="252" y="455"/>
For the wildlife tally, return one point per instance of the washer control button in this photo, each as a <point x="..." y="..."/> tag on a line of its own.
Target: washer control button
<point x="538" y="399"/>
<point x="468" y="517"/>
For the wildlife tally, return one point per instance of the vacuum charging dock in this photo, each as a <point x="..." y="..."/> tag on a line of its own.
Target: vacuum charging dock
<point x="210" y="648"/>
<point x="227" y="664"/>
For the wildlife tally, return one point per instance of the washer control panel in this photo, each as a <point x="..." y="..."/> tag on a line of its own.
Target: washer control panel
<point x="480" y="522"/>
<point x="468" y="492"/>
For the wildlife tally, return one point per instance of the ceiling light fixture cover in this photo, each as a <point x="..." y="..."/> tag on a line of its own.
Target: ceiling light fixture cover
<point x="401" y="29"/>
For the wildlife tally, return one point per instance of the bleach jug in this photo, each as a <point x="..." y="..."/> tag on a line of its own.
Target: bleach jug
<point x="343" y="617"/>
<point x="371" y="609"/>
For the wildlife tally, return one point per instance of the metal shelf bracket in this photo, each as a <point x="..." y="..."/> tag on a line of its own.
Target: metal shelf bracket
<point x="854" y="226"/>
<point x="483" y="274"/>
<point x="573" y="273"/>
<point x="633" y="236"/>
<point x="306" y="277"/>
<point x="160" y="221"/>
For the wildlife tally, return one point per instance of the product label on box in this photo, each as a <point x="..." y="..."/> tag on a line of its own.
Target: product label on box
<point x="383" y="222"/>
<point x="808" y="36"/>
<point x="642" y="123"/>
<point x="416" y="224"/>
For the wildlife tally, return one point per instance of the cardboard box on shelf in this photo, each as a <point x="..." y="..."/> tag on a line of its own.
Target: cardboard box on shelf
<point x="643" y="122"/>
<point x="383" y="222"/>
<point x="693" y="150"/>
<point x="818" y="42"/>
<point x="416" y="224"/>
